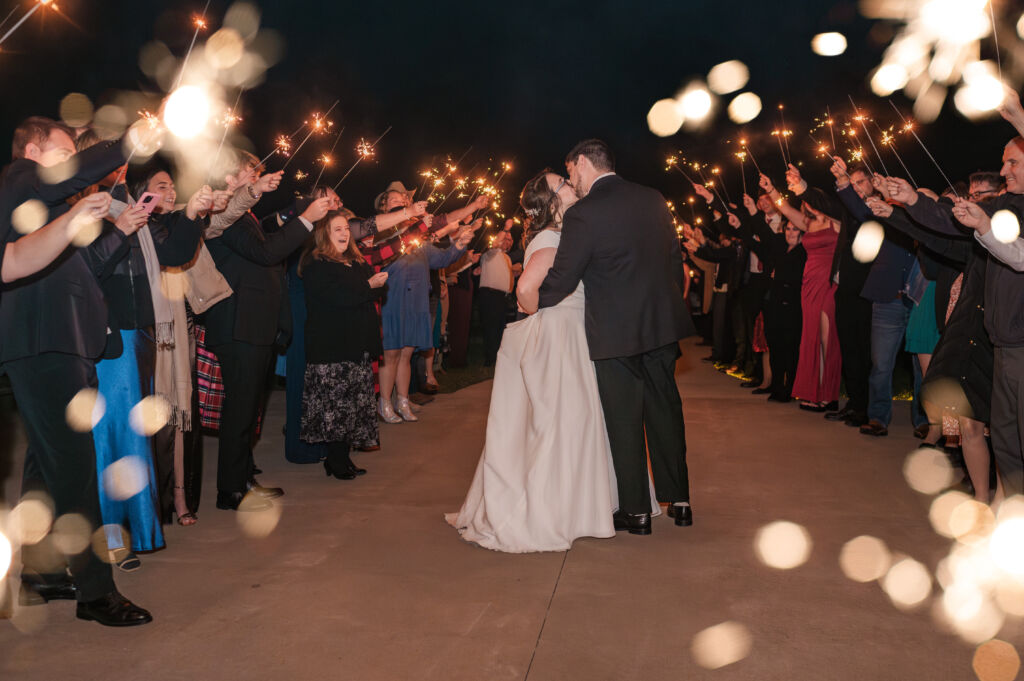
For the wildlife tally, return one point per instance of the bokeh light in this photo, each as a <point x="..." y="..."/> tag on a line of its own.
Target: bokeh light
<point x="1005" y="226"/>
<point x="728" y="76"/>
<point x="187" y="111"/>
<point x="6" y="552"/>
<point x="868" y="241"/>
<point x="126" y="477"/>
<point x="888" y="79"/>
<point x="695" y="103"/>
<point x="225" y="48"/>
<point x="783" y="545"/>
<point x="907" y="583"/>
<point x="996" y="660"/>
<point x="971" y="521"/>
<point x="76" y="110"/>
<point x="84" y="229"/>
<point x="928" y="470"/>
<point x="865" y="559"/>
<point x="29" y="216"/>
<point x="110" y="121"/>
<point x="59" y="173"/>
<point x="830" y="44"/>
<point x="29" y="522"/>
<point x="85" y="410"/>
<point x="150" y="415"/>
<point x="980" y="98"/>
<point x="244" y="18"/>
<point x="941" y="511"/>
<point x="744" y="107"/>
<point x="665" y="118"/>
<point x="258" y="524"/>
<point x="72" y="533"/>
<point x="1006" y="546"/>
<point x="721" y="645"/>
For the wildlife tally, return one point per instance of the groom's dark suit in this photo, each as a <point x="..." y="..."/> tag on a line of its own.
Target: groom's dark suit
<point x="619" y="241"/>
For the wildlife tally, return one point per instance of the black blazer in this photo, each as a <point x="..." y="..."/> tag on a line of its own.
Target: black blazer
<point x="61" y="308"/>
<point x="251" y="261"/>
<point x="620" y="242"/>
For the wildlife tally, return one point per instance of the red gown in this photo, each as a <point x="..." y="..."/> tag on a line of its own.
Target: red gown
<point x="817" y="297"/>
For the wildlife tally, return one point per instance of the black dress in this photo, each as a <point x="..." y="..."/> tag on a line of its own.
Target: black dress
<point x="342" y="340"/>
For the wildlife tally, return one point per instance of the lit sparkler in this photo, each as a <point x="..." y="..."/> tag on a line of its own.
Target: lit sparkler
<point x="909" y="127"/>
<point x="363" y="151"/>
<point x="39" y="3"/>
<point x="199" y="21"/>
<point x="860" y="119"/>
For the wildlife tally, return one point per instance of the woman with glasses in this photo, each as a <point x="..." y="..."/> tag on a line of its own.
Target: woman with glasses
<point x="545" y="476"/>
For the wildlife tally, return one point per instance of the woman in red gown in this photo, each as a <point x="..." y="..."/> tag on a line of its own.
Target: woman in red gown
<point x="819" y="368"/>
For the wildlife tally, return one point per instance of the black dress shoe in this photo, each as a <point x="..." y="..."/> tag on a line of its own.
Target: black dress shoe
<point x="775" y="397"/>
<point x="113" y="610"/>
<point x="752" y="383"/>
<point x="682" y="514"/>
<point x="38" y="592"/>
<point x="840" y="415"/>
<point x="265" y="492"/>
<point x="761" y="391"/>
<point x="634" y="523"/>
<point x="856" y="419"/>
<point x="240" y="501"/>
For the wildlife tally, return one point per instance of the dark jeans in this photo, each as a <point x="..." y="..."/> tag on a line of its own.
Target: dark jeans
<point x="1007" y="417"/>
<point x="60" y="463"/>
<point x="721" y="343"/>
<point x="853" y="324"/>
<point x="244" y="371"/>
<point x="640" y="398"/>
<point x="888" y="328"/>
<point x="493" y="305"/>
<point x="751" y="302"/>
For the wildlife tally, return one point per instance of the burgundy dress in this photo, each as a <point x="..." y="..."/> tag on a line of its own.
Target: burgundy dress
<point x="817" y="297"/>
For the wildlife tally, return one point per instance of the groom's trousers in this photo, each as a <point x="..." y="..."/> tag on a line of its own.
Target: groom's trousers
<point x="640" y="398"/>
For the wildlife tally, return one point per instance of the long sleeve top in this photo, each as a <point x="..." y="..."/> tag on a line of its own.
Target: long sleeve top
<point x="342" y="323"/>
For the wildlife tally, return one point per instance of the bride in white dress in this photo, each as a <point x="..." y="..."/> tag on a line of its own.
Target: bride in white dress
<point x="545" y="476"/>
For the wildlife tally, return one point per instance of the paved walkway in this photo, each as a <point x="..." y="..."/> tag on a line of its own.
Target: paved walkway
<point x="363" y="580"/>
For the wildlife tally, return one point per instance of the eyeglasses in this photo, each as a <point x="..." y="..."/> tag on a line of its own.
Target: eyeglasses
<point x="974" y="196"/>
<point x="563" y="183"/>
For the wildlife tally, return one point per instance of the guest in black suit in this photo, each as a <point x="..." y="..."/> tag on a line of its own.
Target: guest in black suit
<point x="242" y="331"/>
<point x="53" y="327"/>
<point x="619" y="240"/>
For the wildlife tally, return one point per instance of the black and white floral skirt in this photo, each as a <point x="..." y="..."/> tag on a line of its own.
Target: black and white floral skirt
<point x="338" y="403"/>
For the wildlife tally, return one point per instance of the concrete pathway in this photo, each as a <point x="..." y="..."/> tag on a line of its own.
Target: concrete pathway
<point x="364" y="580"/>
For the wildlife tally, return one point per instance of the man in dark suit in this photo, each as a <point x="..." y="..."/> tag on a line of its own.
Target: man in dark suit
<point x="243" y="330"/>
<point x="52" y="330"/>
<point x="619" y="241"/>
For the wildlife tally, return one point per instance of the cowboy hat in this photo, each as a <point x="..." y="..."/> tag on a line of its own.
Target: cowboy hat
<point x="396" y="186"/>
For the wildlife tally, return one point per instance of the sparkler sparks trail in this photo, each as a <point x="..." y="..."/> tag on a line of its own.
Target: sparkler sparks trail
<point x="320" y="125"/>
<point x="282" y="145"/>
<point x="785" y="134"/>
<point x="753" y="159"/>
<point x="860" y="119"/>
<point x="229" y="119"/>
<point x="889" y="140"/>
<point x="909" y="127"/>
<point x="363" y="150"/>
<point x="200" y="23"/>
<point x="39" y="3"/>
<point x="326" y="159"/>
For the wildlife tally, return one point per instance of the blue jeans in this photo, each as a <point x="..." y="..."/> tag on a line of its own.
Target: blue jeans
<point x="888" y="327"/>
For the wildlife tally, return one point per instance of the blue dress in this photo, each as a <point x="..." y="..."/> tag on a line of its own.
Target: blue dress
<point x="123" y="382"/>
<point x="405" y="314"/>
<point x="922" y="328"/>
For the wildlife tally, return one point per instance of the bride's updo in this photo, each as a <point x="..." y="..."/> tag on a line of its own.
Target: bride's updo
<point x="541" y="206"/>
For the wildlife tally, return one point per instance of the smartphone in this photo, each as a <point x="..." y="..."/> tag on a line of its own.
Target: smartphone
<point x="148" y="202"/>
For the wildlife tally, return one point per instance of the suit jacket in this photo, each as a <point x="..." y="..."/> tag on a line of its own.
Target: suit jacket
<point x="252" y="262"/>
<point x="620" y="242"/>
<point x="61" y="308"/>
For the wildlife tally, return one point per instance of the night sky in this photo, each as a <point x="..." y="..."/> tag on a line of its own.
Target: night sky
<point x="518" y="81"/>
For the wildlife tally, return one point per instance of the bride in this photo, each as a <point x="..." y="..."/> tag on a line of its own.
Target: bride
<point x="545" y="476"/>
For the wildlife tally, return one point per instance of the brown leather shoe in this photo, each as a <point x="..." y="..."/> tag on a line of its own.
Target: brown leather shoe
<point x="874" y="428"/>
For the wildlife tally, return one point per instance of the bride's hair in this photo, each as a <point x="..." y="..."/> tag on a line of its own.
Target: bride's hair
<point x="541" y="206"/>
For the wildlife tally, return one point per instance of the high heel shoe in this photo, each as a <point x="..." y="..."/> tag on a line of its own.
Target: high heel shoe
<point x="404" y="409"/>
<point x="387" y="412"/>
<point x="354" y="469"/>
<point x="346" y="474"/>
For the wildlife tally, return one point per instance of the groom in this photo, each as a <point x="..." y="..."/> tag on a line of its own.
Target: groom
<point x="619" y="240"/>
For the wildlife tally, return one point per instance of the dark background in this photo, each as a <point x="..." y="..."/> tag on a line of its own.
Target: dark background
<point x="518" y="81"/>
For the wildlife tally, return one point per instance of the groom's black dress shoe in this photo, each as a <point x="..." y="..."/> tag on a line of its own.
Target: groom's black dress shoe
<point x="265" y="492"/>
<point x="113" y="610"/>
<point x="38" y="592"/>
<point x="682" y="514"/>
<point x="240" y="501"/>
<point x="635" y="523"/>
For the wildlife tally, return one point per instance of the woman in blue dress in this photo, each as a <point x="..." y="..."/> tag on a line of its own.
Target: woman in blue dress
<point x="405" y="314"/>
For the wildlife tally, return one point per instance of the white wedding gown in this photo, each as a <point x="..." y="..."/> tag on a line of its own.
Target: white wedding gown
<point x="545" y="476"/>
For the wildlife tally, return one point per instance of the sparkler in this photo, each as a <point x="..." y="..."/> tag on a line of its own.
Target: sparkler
<point x="785" y="133"/>
<point x="320" y="125"/>
<point x="151" y="121"/>
<point x="673" y="162"/>
<point x="229" y="119"/>
<point x="753" y="159"/>
<point x="326" y="159"/>
<point x="721" y="178"/>
<point x="9" y="15"/>
<point x="889" y="140"/>
<point x="363" y="151"/>
<point x="777" y="134"/>
<point x="831" y="128"/>
<point x="199" y="21"/>
<point x="909" y="127"/>
<point x="742" y="156"/>
<point x="39" y="3"/>
<point x="449" y="169"/>
<point x="860" y="119"/>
